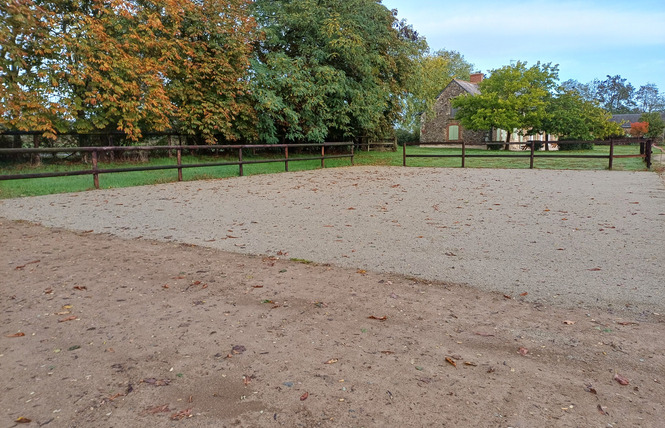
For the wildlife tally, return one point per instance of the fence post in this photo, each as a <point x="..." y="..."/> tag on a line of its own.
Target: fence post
<point x="323" y="155"/>
<point x="240" y="169"/>
<point x="533" y="149"/>
<point x="36" y="158"/>
<point x="95" y="175"/>
<point x="404" y="153"/>
<point x="611" y="165"/>
<point x="179" y="157"/>
<point x="286" y="157"/>
<point x="463" y="154"/>
<point x="352" y="152"/>
<point x="647" y="154"/>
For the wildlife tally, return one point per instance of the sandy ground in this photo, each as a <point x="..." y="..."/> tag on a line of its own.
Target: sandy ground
<point x="149" y="328"/>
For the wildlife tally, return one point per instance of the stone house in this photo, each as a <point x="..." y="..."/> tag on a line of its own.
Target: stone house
<point x="444" y="126"/>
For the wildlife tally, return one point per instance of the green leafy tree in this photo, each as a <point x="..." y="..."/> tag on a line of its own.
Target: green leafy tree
<point x="616" y="94"/>
<point x="431" y="73"/>
<point x="571" y="117"/>
<point x="513" y="98"/>
<point x="649" y="99"/>
<point x="656" y="125"/>
<point x="329" y="69"/>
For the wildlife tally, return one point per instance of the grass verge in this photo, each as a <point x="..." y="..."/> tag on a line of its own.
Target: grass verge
<point x="43" y="186"/>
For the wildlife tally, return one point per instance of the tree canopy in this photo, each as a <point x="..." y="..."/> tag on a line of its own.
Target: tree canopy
<point x="431" y="73"/>
<point x="329" y="68"/>
<point x="514" y="97"/>
<point x="126" y="65"/>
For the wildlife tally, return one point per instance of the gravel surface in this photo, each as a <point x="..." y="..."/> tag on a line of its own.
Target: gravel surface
<point x="573" y="238"/>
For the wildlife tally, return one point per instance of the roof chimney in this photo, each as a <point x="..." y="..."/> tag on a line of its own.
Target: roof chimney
<point x="476" y="78"/>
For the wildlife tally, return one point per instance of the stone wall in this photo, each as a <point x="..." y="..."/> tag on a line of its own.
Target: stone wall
<point x="436" y="129"/>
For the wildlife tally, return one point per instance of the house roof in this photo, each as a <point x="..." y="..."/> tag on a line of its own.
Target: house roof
<point x="471" y="88"/>
<point x="626" y="119"/>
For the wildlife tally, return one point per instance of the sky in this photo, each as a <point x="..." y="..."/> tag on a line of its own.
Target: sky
<point x="588" y="39"/>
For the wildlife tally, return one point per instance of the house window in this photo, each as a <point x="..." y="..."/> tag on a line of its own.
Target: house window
<point x="453" y="132"/>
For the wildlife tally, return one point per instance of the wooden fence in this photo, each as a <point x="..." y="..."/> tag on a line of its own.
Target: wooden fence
<point x="645" y="151"/>
<point x="95" y="171"/>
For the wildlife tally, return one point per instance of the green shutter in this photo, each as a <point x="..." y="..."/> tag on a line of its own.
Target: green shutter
<point x="453" y="132"/>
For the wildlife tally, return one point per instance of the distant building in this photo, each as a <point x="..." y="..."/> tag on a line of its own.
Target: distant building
<point x="445" y="127"/>
<point x="625" y="120"/>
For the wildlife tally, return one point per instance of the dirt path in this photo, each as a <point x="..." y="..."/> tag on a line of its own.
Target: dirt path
<point x="573" y="238"/>
<point x="139" y="318"/>
<point x="139" y="333"/>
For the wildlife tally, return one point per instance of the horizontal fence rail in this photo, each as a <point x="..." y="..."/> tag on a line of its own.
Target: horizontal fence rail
<point x="645" y="151"/>
<point x="95" y="171"/>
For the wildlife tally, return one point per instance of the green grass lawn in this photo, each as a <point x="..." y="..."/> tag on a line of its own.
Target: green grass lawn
<point x="43" y="186"/>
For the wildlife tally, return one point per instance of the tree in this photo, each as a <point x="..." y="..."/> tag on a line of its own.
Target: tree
<point x="514" y="97"/>
<point x="329" y="69"/>
<point x="588" y="91"/>
<point x="28" y="88"/>
<point x="571" y="117"/>
<point x="649" y="99"/>
<point x="127" y="65"/>
<point x="656" y="125"/>
<point x="431" y="73"/>
<point x="615" y="95"/>
<point x="639" y="129"/>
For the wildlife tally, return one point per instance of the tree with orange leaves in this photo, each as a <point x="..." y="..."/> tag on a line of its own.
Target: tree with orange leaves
<point x="638" y="129"/>
<point x="125" y="65"/>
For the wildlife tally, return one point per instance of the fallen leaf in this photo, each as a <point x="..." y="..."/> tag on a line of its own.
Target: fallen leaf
<point x="238" y="349"/>
<point x="29" y="263"/>
<point x="156" y="382"/>
<point x="450" y="254"/>
<point x="361" y="271"/>
<point x="469" y="363"/>
<point x="601" y="411"/>
<point x="628" y="323"/>
<point x="451" y="361"/>
<point x="304" y="396"/>
<point x="80" y="287"/>
<point x="19" y="334"/>
<point x="331" y="361"/>
<point x="591" y="389"/>
<point x="72" y="318"/>
<point x="257" y="286"/>
<point x="23" y="420"/>
<point x="387" y="352"/>
<point x="622" y="380"/>
<point x="165" y="286"/>
<point x="479" y="333"/>
<point x="524" y="294"/>
<point x="505" y="296"/>
<point x="594" y="269"/>
<point x="157" y="409"/>
<point x="372" y="317"/>
<point x="523" y="351"/>
<point x="568" y="322"/>
<point x="186" y="413"/>
<point x="48" y="291"/>
<point x="350" y="208"/>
